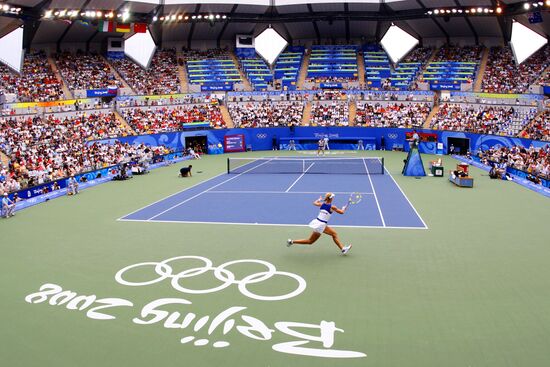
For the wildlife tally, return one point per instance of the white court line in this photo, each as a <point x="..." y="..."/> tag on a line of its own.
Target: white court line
<point x="260" y="224"/>
<point x="298" y="179"/>
<point x="374" y="192"/>
<point x="210" y="188"/>
<point x="284" y="192"/>
<point x="169" y="196"/>
<point x="406" y="198"/>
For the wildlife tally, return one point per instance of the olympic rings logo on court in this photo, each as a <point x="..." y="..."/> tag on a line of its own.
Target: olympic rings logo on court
<point x="392" y="136"/>
<point x="165" y="271"/>
<point x="261" y="136"/>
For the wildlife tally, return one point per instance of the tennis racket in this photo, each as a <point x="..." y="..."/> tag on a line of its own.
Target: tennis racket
<point x="354" y="198"/>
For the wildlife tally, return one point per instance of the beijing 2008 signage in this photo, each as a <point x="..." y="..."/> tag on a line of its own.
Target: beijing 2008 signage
<point x="306" y="339"/>
<point x="234" y="143"/>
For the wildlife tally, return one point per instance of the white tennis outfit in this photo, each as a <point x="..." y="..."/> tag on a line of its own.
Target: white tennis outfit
<point x="320" y="223"/>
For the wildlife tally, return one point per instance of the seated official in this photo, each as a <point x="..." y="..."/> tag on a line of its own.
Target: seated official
<point x="8" y="206"/>
<point x="186" y="171"/>
<point x="72" y="186"/>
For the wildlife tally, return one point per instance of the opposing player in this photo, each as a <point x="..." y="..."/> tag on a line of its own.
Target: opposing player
<point x="320" y="224"/>
<point x="321" y="147"/>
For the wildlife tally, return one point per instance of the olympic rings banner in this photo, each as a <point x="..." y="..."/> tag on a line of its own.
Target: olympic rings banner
<point x="203" y="330"/>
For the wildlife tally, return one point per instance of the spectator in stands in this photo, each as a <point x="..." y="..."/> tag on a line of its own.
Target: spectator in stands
<point x="503" y="75"/>
<point x="266" y="113"/>
<point x="404" y="115"/>
<point x="483" y="119"/>
<point x="333" y="113"/>
<point x="172" y="118"/>
<point x="85" y="71"/>
<point x="160" y="78"/>
<point x="37" y="81"/>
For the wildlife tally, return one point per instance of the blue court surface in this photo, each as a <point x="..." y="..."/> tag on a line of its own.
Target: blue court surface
<point x="253" y="194"/>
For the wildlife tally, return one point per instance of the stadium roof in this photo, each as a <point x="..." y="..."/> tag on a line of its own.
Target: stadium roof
<point x="294" y="19"/>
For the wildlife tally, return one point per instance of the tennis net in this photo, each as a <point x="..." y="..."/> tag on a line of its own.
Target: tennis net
<point x="339" y="166"/>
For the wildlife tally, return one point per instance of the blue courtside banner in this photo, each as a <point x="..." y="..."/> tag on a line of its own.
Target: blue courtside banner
<point x="331" y="85"/>
<point x="107" y="92"/>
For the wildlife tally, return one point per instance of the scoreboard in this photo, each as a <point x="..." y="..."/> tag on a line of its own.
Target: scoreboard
<point x="234" y="143"/>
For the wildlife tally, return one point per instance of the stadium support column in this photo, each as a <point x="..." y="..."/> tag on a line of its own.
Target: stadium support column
<point x="30" y="26"/>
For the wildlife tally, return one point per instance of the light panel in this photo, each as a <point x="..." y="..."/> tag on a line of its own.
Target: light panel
<point x="11" y="49"/>
<point x="140" y="47"/>
<point x="397" y="43"/>
<point x="269" y="44"/>
<point x="525" y="42"/>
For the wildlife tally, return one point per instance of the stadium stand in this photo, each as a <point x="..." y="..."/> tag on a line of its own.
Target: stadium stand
<point x="212" y="69"/>
<point x="287" y="67"/>
<point x="452" y="66"/>
<point x="266" y="113"/>
<point x="379" y="73"/>
<point x="388" y="114"/>
<point x="156" y="119"/>
<point x="85" y="71"/>
<point x="255" y="68"/>
<point x="54" y="146"/>
<point x="483" y="119"/>
<point x="332" y="63"/>
<point x="502" y="75"/>
<point x="539" y="128"/>
<point x="37" y="81"/>
<point x="160" y="78"/>
<point x="533" y="161"/>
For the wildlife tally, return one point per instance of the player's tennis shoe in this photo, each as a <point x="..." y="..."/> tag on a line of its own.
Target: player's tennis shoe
<point x="346" y="249"/>
<point x="288" y="242"/>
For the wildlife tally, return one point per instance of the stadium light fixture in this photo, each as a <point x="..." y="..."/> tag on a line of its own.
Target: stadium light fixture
<point x="525" y="42"/>
<point x="397" y="43"/>
<point x="526" y="6"/>
<point x="269" y="44"/>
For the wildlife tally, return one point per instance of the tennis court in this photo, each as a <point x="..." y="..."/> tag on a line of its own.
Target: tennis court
<point x="279" y="191"/>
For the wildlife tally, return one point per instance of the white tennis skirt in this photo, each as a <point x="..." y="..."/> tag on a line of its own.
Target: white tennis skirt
<point x="317" y="226"/>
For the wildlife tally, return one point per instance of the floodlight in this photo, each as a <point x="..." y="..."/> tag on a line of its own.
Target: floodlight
<point x="11" y="49"/>
<point x="397" y="43"/>
<point x="525" y="42"/>
<point x="140" y="47"/>
<point x="269" y="44"/>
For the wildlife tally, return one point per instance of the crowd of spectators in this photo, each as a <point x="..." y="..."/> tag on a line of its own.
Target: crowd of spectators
<point x="419" y="54"/>
<point x="37" y="81"/>
<point x="214" y="53"/>
<point x="335" y="113"/>
<point x="85" y="71"/>
<point x="391" y="115"/>
<point x="266" y="114"/>
<point x="41" y="149"/>
<point x="483" y="119"/>
<point x="458" y="53"/>
<point x="329" y="95"/>
<point x="535" y="162"/>
<point x="544" y="79"/>
<point x="503" y="75"/>
<point x="170" y="118"/>
<point x="539" y="128"/>
<point x="331" y="79"/>
<point x="160" y="78"/>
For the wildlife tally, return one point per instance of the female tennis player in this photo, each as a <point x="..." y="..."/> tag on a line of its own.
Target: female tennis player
<point x="320" y="224"/>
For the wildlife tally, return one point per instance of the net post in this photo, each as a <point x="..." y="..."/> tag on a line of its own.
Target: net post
<point x="228" y="165"/>
<point x="382" y="159"/>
